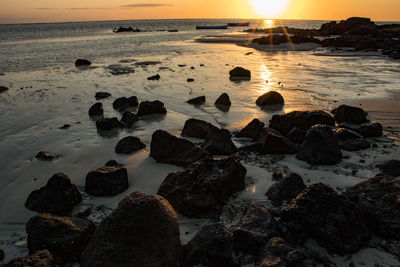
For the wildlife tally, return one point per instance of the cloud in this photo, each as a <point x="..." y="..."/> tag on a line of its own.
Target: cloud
<point x="144" y="5"/>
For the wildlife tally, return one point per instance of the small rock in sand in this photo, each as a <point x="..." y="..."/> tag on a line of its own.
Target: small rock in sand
<point x="82" y="62"/>
<point x="270" y="98"/>
<point x="200" y="100"/>
<point x="239" y="73"/>
<point x="128" y="119"/>
<point x="45" y="156"/>
<point x="190" y="80"/>
<point x="154" y="78"/>
<point x="3" y="89"/>
<point x="64" y="127"/>
<point x="151" y="107"/>
<point x="197" y="128"/>
<point x="102" y="95"/>
<point x="223" y="100"/>
<point x="390" y="167"/>
<point x="106" y="181"/>
<point x="96" y="110"/>
<point x="123" y="103"/>
<point x="128" y="145"/>
<point x="107" y="124"/>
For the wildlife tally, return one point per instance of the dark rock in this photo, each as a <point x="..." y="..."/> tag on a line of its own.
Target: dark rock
<point x="271" y="39"/>
<point x="82" y="63"/>
<point x="2" y="255"/>
<point x="128" y="119"/>
<point x="286" y="189"/>
<point x="212" y="246"/>
<point x="378" y="198"/>
<point x="42" y="258"/>
<point x="333" y="28"/>
<point x="58" y="196"/>
<point x="63" y="236"/>
<point x="270" y="98"/>
<point x="45" y="156"/>
<point x="272" y="142"/>
<point x="204" y="187"/>
<point x="239" y="73"/>
<point x="167" y="148"/>
<point x="128" y="145"/>
<point x="123" y="103"/>
<point x="349" y="114"/>
<point x="349" y="140"/>
<point x="154" y="78"/>
<point x="96" y="110"/>
<point x="102" y="95"/>
<point x="219" y="142"/>
<point x="197" y="128"/>
<point x="106" y="181"/>
<point x="153" y="107"/>
<point x="390" y="167"/>
<point x="64" y="127"/>
<point x="126" y="29"/>
<point x="117" y="69"/>
<point x="365" y="129"/>
<point x="113" y="163"/>
<point x="256" y="227"/>
<point x="320" y="147"/>
<point x="327" y="217"/>
<point x="223" y="100"/>
<point x="3" y="89"/>
<point x="252" y="130"/>
<point x="296" y="135"/>
<point x="142" y="231"/>
<point x="190" y="80"/>
<point x="107" y="124"/>
<point x="303" y="120"/>
<point x="197" y="100"/>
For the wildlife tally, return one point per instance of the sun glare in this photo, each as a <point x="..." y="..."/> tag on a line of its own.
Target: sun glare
<point x="269" y="8"/>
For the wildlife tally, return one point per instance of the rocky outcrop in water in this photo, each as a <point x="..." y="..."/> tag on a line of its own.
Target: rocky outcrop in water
<point x="128" y="145"/>
<point x="128" y="119"/>
<point x="366" y="129"/>
<point x="197" y="128"/>
<point x="239" y="73"/>
<point x="286" y="189"/>
<point x="151" y="107"/>
<point x="219" y="142"/>
<point x="124" y="103"/>
<point x="350" y="114"/>
<point x="349" y="140"/>
<point x="270" y="98"/>
<point x="101" y="95"/>
<point x="107" y="124"/>
<point x="106" y="181"/>
<point x="252" y="130"/>
<point x="334" y="28"/>
<point x="82" y="63"/>
<point x="96" y="110"/>
<point x="223" y="100"/>
<point x="200" y="100"/>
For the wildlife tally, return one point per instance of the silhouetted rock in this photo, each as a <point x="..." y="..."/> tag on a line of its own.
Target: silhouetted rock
<point x="3" y="89"/>
<point x="128" y="119"/>
<point x="142" y="231"/>
<point x="320" y="147"/>
<point x="349" y="114"/>
<point x="117" y="69"/>
<point x="96" y="110"/>
<point x="82" y="63"/>
<point x="106" y="181"/>
<point x="303" y="120"/>
<point x="190" y="80"/>
<point x="219" y="142"/>
<point x="42" y="258"/>
<point x="200" y="100"/>
<point x="151" y="107"/>
<point x="334" y="28"/>
<point x="252" y="130"/>
<point x="211" y="246"/>
<point x="239" y="73"/>
<point x="223" y="100"/>
<point x="128" y="145"/>
<point x="270" y="98"/>
<point x="349" y="140"/>
<point x="154" y="78"/>
<point x="124" y="103"/>
<point x="58" y="196"/>
<point x="64" y="127"/>
<point x="272" y="142"/>
<point x="286" y="189"/>
<point x="296" y="135"/>
<point x="365" y="129"/>
<point x="63" y="236"/>
<point x="327" y="217"/>
<point x="204" y="187"/>
<point x="167" y="148"/>
<point x="197" y="128"/>
<point x="107" y="124"/>
<point x="390" y="167"/>
<point x="45" y="156"/>
<point x="113" y="163"/>
<point x="102" y="95"/>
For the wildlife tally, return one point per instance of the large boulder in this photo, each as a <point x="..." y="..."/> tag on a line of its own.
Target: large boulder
<point x="366" y="129"/>
<point x="204" y="187"/>
<point x="107" y="124"/>
<point x="378" y="198"/>
<point x="64" y="237"/>
<point x="167" y="148"/>
<point x="350" y="114"/>
<point x="124" y="103"/>
<point x="80" y="62"/>
<point x="211" y="246"/>
<point x="327" y="217"/>
<point x="142" y="231"/>
<point x="390" y="167"/>
<point x="151" y="107"/>
<point x="252" y="130"/>
<point x="128" y="145"/>
<point x="197" y="128"/>
<point x="286" y="189"/>
<point x="219" y="142"/>
<point x="96" y="110"/>
<point x="128" y="119"/>
<point x="59" y="196"/>
<point x="303" y="120"/>
<point x="239" y="73"/>
<point x="349" y="140"/>
<point x="270" y="98"/>
<point x="320" y="147"/>
<point x="42" y="258"/>
<point x="106" y="181"/>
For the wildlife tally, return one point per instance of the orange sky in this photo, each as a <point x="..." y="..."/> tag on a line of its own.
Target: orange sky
<point x="15" y="11"/>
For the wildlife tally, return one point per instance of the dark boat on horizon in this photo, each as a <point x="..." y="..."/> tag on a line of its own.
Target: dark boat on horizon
<point x="211" y="27"/>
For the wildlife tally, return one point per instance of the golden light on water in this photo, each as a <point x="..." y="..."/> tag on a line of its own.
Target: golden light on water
<point x="269" y="8"/>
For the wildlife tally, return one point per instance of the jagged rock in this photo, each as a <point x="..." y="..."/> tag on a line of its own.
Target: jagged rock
<point x="223" y="100"/>
<point x="167" y="148"/>
<point x="151" y="107"/>
<point x="239" y="73"/>
<point x="204" y="187"/>
<point x="303" y="120"/>
<point x="365" y="129"/>
<point x="96" y="110"/>
<point x="272" y="142"/>
<point x="197" y="128"/>
<point x="82" y="63"/>
<point x="252" y="130"/>
<point x="296" y="135"/>
<point x="124" y="103"/>
<point x="334" y="28"/>
<point x="327" y="217"/>
<point x="320" y="147"/>
<point x="219" y="142"/>
<point x="154" y="78"/>
<point x="128" y="145"/>
<point x="270" y="98"/>
<point x="256" y="227"/>
<point x="390" y="167"/>
<point x="102" y="95"/>
<point x="3" y="89"/>
<point x="106" y="181"/>
<point x="286" y="189"/>
<point x="200" y="100"/>
<point x="212" y="246"/>
<point x="349" y="114"/>
<point x="63" y="236"/>
<point x="378" y="198"/>
<point x="107" y="124"/>
<point x="58" y="196"/>
<point x="128" y="119"/>
<point x="42" y="258"/>
<point x="142" y="231"/>
<point x="349" y="140"/>
<point x="45" y="156"/>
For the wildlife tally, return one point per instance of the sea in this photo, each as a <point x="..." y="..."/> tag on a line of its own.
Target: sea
<point x="46" y="92"/>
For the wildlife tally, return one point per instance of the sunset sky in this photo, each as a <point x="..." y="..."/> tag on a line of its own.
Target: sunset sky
<point x="16" y="11"/>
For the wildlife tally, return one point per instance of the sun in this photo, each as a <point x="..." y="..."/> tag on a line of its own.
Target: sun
<point x="269" y="8"/>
